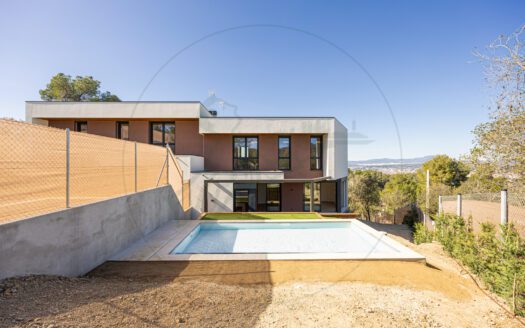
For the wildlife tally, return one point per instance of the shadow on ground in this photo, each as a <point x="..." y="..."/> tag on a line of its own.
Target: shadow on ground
<point x="400" y="230"/>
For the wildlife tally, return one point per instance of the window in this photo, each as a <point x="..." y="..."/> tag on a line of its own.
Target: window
<point x="81" y="126"/>
<point x="268" y="197"/>
<point x="284" y="153"/>
<point x="123" y="130"/>
<point x="163" y="133"/>
<point x="245" y="153"/>
<point x="316" y="194"/>
<point x="316" y="153"/>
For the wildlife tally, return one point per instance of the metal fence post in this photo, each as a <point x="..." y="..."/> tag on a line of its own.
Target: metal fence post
<point x="136" y="167"/>
<point x="440" y="205"/>
<point x="504" y="207"/>
<point x="427" y="199"/>
<point x="459" y="209"/>
<point x="167" y="165"/>
<point x="67" y="167"/>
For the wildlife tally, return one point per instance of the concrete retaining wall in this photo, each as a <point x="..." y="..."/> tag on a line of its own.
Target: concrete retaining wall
<point x="74" y="241"/>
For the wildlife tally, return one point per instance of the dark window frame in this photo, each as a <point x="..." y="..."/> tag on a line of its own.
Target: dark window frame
<point x="163" y="144"/>
<point x="78" y="124"/>
<point x="280" y="196"/>
<point x="320" y="157"/>
<point x="234" y="157"/>
<point x="289" y="158"/>
<point x="119" y="130"/>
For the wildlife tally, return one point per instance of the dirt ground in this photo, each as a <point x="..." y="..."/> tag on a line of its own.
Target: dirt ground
<point x="192" y="301"/>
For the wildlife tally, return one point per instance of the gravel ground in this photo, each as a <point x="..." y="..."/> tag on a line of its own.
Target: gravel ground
<point x="39" y="301"/>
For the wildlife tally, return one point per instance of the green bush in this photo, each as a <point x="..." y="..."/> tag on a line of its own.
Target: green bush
<point x="497" y="257"/>
<point x="422" y="234"/>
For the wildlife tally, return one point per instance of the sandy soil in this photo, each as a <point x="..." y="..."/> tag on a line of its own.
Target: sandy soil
<point x="176" y="302"/>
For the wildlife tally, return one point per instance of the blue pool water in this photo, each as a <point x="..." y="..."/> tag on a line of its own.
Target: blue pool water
<point x="283" y="237"/>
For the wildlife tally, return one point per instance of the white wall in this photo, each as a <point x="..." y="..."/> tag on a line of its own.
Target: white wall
<point x="74" y="241"/>
<point x="116" y="110"/>
<point x="190" y="163"/>
<point x="220" y="197"/>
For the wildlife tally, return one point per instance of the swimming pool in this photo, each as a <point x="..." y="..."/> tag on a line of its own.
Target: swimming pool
<point x="349" y="237"/>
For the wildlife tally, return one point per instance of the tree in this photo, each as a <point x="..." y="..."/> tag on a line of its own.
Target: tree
<point x="499" y="143"/>
<point x="482" y="179"/>
<point x="445" y="174"/>
<point x="443" y="170"/>
<point x="399" y="191"/>
<point x="82" y="88"/>
<point x="364" y="188"/>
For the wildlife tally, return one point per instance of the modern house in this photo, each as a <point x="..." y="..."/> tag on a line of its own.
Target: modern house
<point x="287" y="164"/>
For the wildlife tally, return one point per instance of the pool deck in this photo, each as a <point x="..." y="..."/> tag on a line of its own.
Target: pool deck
<point x="157" y="246"/>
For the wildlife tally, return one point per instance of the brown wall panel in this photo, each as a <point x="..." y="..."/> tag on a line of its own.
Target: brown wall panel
<point x="292" y="197"/>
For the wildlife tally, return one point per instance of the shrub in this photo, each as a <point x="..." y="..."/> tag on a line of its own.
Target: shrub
<point x="422" y="234"/>
<point x="497" y="258"/>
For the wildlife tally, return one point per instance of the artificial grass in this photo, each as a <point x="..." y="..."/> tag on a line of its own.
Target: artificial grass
<point x="261" y="216"/>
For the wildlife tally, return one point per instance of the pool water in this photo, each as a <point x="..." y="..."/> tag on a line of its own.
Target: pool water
<point x="285" y="237"/>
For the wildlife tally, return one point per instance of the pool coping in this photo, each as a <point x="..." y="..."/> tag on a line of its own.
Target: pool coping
<point x="158" y="245"/>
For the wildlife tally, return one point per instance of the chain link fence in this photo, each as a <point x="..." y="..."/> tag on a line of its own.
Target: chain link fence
<point x="44" y="169"/>
<point x="487" y="207"/>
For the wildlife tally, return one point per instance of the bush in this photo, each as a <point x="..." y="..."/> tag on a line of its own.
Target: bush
<point x="498" y="259"/>
<point x="422" y="234"/>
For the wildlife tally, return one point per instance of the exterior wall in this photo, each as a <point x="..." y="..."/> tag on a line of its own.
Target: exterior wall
<point x="340" y="151"/>
<point x="188" y="141"/>
<point x="114" y="110"/>
<point x="292" y="197"/>
<point x="301" y="159"/>
<point x="334" y="134"/>
<point x="197" y="186"/>
<point x="72" y="242"/>
<point x="62" y="124"/>
<point x="103" y="128"/>
<point x="187" y="137"/>
<point x="190" y="163"/>
<point x="138" y="131"/>
<point x="268" y="152"/>
<point x="220" y="197"/>
<point x="218" y="154"/>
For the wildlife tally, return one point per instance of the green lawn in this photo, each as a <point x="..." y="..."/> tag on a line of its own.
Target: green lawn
<point x="259" y="216"/>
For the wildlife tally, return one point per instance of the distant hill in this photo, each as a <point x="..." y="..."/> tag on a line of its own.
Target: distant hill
<point x="390" y="165"/>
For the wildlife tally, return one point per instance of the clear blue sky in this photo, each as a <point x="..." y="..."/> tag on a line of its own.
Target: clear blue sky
<point x="419" y="52"/>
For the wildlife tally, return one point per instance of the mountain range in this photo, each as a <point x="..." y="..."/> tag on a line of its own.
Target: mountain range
<point x="390" y="165"/>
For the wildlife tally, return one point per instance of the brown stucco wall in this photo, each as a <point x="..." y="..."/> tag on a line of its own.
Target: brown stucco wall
<point x="268" y="152"/>
<point x="138" y="131"/>
<point x="292" y="196"/>
<point x="63" y="124"/>
<point x="301" y="159"/>
<point x="103" y="128"/>
<point x="218" y="152"/>
<point x="187" y="138"/>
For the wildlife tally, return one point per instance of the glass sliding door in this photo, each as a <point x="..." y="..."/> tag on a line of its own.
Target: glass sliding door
<point x="245" y="197"/>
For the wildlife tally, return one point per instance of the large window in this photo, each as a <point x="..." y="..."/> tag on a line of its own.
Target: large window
<point x="163" y="133"/>
<point x="316" y="153"/>
<point x="81" y="126"/>
<point x="123" y="130"/>
<point x="245" y="153"/>
<point x="285" y="152"/>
